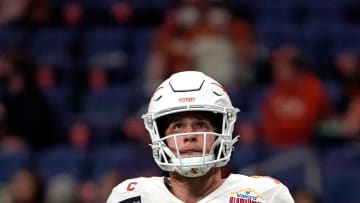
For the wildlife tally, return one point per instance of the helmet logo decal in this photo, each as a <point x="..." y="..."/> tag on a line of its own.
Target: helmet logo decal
<point x="218" y="89"/>
<point x="157" y="94"/>
<point x="131" y="186"/>
<point x="217" y="84"/>
<point x="186" y="99"/>
<point x="194" y="170"/>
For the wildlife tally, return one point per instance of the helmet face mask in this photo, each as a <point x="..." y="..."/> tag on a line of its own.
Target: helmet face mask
<point x="191" y="91"/>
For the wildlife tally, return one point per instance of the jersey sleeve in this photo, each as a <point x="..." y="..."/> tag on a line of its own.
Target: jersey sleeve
<point x="127" y="191"/>
<point x="276" y="192"/>
<point x="282" y="195"/>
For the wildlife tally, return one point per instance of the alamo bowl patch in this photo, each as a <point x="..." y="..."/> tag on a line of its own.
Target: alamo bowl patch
<point x="247" y="195"/>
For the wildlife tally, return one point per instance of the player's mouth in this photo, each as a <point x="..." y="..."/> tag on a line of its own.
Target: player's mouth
<point x="190" y="153"/>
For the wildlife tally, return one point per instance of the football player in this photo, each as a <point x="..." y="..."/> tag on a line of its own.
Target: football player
<point x="190" y="120"/>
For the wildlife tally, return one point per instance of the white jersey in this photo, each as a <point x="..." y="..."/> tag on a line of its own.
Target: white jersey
<point x="235" y="189"/>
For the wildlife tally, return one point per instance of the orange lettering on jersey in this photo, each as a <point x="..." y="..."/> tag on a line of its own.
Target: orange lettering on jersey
<point x="131" y="186"/>
<point x="274" y="179"/>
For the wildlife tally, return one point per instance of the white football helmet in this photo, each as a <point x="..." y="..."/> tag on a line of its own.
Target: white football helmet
<point x="191" y="91"/>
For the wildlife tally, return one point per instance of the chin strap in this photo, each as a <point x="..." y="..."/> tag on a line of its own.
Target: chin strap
<point x="194" y="166"/>
<point x="168" y="183"/>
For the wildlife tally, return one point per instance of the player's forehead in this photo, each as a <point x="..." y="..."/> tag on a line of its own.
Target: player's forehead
<point x="196" y="115"/>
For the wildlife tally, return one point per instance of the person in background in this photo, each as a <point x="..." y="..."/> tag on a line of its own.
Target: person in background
<point x="79" y="135"/>
<point x="73" y="14"/>
<point x="202" y="35"/>
<point x="344" y="125"/>
<point x="12" y="12"/>
<point x="296" y="101"/>
<point x="106" y="183"/>
<point x="121" y="12"/>
<point x="61" y="189"/>
<point x="26" y="187"/>
<point x="88" y="191"/>
<point x="306" y="196"/>
<point x="347" y="69"/>
<point x="28" y="115"/>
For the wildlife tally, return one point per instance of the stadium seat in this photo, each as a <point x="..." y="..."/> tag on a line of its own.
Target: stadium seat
<point x="59" y="3"/>
<point x="288" y="178"/>
<point x="335" y="91"/>
<point x="11" y="37"/>
<point x="341" y="175"/>
<point x="268" y="11"/>
<point x="105" y="47"/>
<point x="345" y="38"/>
<point x="141" y="41"/>
<point x="52" y="46"/>
<point x="59" y="100"/>
<point x="330" y="11"/>
<point x="61" y="160"/>
<point x="10" y="162"/>
<point x="107" y="108"/>
<point x="320" y="37"/>
<point x="283" y="164"/>
<point x="273" y="34"/>
<point x="160" y="5"/>
<point x="253" y="99"/>
<point x="116" y="157"/>
<point x="97" y="4"/>
<point x="243" y="157"/>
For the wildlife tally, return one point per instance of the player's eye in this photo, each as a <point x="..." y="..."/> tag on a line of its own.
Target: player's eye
<point x="202" y="125"/>
<point x="177" y="126"/>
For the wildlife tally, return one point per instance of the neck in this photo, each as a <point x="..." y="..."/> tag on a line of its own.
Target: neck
<point x="191" y="190"/>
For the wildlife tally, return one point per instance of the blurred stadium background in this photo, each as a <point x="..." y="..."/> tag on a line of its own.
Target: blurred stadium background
<point x="75" y="78"/>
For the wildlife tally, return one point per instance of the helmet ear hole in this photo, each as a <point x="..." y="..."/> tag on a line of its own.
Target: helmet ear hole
<point x="217" y="120"/>
<point x="162" y="125"/>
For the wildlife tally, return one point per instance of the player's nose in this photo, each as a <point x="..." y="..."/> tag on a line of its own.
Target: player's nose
<point x="189" y="137"/>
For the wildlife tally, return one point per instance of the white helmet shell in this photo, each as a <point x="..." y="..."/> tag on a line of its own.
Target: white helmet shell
<point x="191" y="91"/>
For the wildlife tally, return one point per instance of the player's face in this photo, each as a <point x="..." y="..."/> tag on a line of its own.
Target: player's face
<point x="191" y="144"/>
